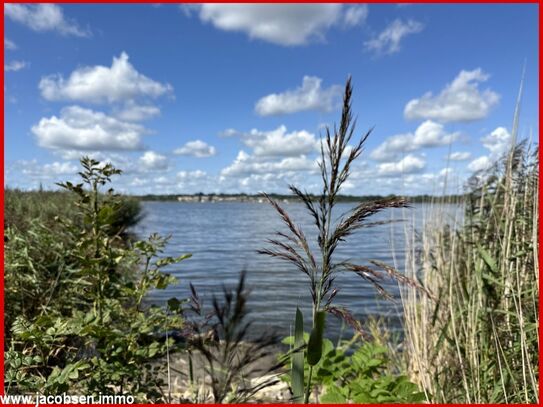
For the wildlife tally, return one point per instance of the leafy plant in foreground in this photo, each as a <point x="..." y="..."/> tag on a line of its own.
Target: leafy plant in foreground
<point x="103" y="339"/>
<point x="352" y="372"/>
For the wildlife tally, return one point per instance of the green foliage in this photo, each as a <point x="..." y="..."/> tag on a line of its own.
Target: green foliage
<point x="297" y="372"/>
<point x="23" y="210"/>
<point x="79" y="289"/>
<point x="478" y="343"/>
<point x="314" y="345"/>
<point x="359" y="375"/>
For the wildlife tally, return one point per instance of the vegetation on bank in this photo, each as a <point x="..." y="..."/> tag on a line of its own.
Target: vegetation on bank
<point x="478" y="343"/>
<point x="74" y="289"/>
<point x="201" y="197"/>
<point x="76" y="320"/>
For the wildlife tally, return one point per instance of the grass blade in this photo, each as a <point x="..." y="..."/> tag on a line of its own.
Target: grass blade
<point x="298" y="359"/>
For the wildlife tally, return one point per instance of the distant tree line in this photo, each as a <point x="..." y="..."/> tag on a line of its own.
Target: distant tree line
<point x="340" y="198"/>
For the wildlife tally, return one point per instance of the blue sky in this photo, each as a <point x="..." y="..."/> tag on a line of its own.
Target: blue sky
<point x="232" y="98"/>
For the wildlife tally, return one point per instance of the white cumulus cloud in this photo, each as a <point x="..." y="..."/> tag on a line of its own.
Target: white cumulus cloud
<point x="460" y="101"/>
<point x="498" y="142"/>
<point x="408" y="165"/>
<point x="196" y="148"/>
<point x="245" y="165"/>
<point x="480" y="164"/>
<point x="153" y="161"/>
<point x="83" y="129"/>
<point x="389" y="40"/>
<point x="280" y="143"/>
<point x="309" y="96"/>
<point x="44" y="17"/>
<point x="429" y="134"/>
<point x="101" y="84"/>
<point x="282" y="24"/>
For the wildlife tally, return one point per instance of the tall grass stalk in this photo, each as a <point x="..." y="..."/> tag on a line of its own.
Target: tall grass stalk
<point x="337" y="159"/>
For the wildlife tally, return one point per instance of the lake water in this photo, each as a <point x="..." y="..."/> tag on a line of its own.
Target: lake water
<point x="223" y="239"/>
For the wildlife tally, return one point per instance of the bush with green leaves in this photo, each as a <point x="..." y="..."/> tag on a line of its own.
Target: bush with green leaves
<point x="355" y="372"/>
<point x="93" y="333"/>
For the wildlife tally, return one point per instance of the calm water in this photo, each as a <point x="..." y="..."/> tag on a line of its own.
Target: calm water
<point x="223" y="239"/>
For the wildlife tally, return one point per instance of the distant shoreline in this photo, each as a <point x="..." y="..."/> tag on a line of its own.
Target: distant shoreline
<point x="257" y="198"/>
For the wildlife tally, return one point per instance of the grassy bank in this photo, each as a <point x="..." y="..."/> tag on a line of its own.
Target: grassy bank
<point x="477" y="340"/>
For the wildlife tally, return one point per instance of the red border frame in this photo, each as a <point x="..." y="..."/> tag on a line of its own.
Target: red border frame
<point x="260" y="1"/>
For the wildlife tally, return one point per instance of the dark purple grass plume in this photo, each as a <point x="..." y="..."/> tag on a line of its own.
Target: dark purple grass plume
<point x="337" y="158"/>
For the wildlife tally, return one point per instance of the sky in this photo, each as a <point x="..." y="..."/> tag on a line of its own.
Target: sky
<point x="230" y="98"/>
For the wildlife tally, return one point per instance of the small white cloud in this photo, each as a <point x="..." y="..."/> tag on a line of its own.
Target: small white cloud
<point x="196" y="148"/>
<point x="309" y="96"/>
<point x="429" y="134"/>
<point x="229" y="133"/>
<point x="445" y="172"/>
<point x="498" y="142"/>
<point x="101" y="84"/>
<point x="388" y="41"/>
<point x="282" y="24"/>
<point x="133" y="112"/>
<point x="460" y="101"/>
<point x="83" y="129"/>
<point x="355" y="15"/>
<point x="44" y="17"/>
<point x="245" y="165"/>
<point x="408" y="165"/>
<point x="480" y="164"/>
<point x="9" y="45"/>
<point x="138" y="182"/>
<point x="183" y="176"/>
<point x="152" y="161"/>
<point x="15" y="66"/>
<point x="279" y="143"/>
<point x="460" y="156"/>
<point x="33" y="169"/>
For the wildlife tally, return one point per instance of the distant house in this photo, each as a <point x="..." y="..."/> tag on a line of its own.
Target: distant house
<point x="189" y="198"/>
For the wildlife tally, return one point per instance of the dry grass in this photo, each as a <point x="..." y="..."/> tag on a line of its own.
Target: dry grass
<point x="477" y="340"/>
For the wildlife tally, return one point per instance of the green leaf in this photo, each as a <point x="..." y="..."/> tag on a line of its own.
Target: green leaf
<point x="333" y="396"/>
<point x="298" y="359"/>
<point x="314" y="346"/>
<point x="488" y="259"/>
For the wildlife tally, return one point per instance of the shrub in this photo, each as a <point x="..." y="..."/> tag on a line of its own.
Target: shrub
<point x="93" y="334"/>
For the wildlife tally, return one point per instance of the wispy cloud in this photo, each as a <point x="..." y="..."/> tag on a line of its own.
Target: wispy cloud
<point x="9" y="45"/>
<point x="389" y="40"/>
<point x="44" y="17"/>
<point x="15" y="66"/>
